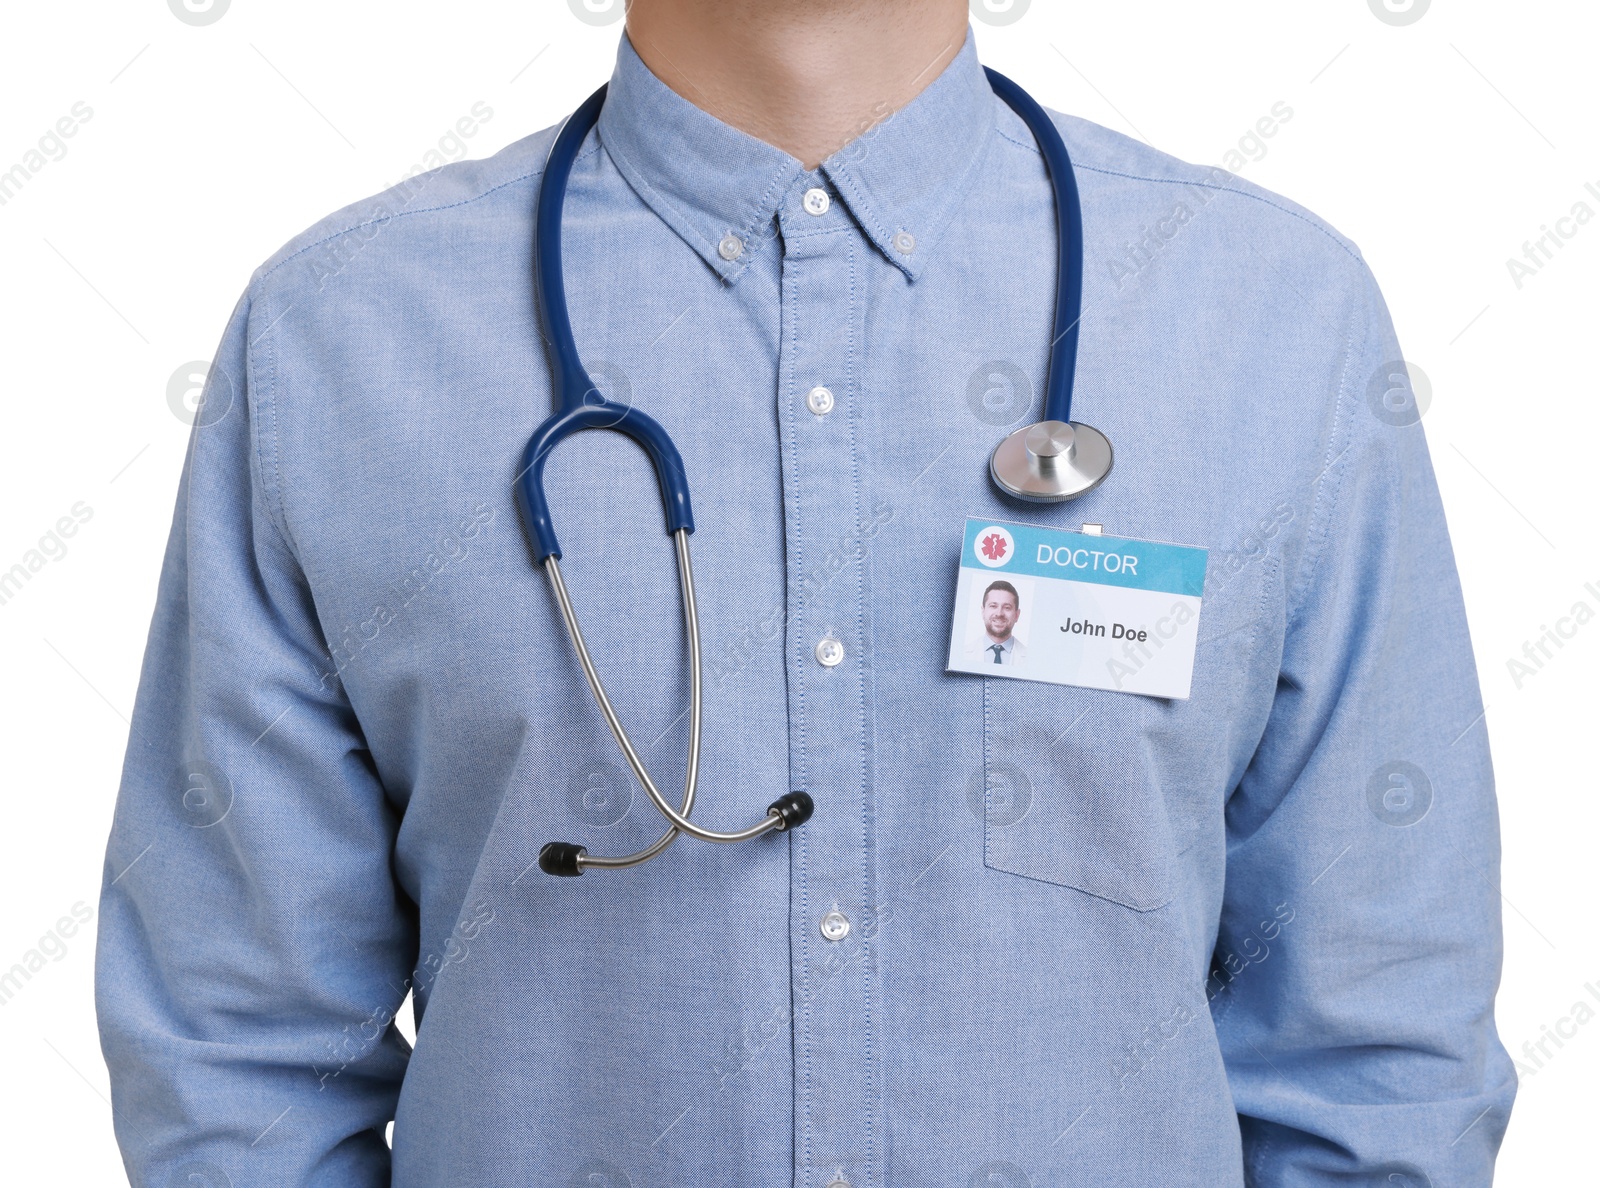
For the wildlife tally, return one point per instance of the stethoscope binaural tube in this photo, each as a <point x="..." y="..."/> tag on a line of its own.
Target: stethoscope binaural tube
<point x="565" y="858"/>
<point x="1057" y="458"/>
<point x="581" y="406"/>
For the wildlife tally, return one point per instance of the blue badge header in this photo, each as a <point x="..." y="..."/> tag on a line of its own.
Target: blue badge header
<point x="1001" y="547"/>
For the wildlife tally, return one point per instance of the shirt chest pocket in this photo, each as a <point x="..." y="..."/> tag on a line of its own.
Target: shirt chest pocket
<point x="1069" y="795"/>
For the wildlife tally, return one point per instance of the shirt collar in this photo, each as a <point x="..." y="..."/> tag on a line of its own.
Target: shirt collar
<point x="713" y="184"/>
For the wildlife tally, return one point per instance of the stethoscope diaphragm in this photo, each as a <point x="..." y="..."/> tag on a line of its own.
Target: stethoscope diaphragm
<point x="1051" y="461"/>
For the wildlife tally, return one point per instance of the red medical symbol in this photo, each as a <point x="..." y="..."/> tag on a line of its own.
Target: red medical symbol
<point x="994" y="546"/>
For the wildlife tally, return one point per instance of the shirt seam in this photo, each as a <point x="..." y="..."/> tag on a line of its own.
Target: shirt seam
<point x="1326" y="501"/>
<point x="791" y="234"/>
<point x="868" y="825"/>
<point x="407" y="213"/>
<point x="1174" y="181"/>
<point x="264" y="433"/>
<point x="263" y="399"/>
<point x="860" y="203"/>
<point x="798" y="621"/>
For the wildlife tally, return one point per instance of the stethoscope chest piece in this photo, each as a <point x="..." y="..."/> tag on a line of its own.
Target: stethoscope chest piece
<point x="1051" y="461"/>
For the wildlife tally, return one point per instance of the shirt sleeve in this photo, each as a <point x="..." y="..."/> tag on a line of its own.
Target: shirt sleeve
<point x="253" y="944"/>
<point x="1359" y="949"/>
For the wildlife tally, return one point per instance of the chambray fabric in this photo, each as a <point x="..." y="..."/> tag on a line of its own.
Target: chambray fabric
<point x="1095" y="938"/>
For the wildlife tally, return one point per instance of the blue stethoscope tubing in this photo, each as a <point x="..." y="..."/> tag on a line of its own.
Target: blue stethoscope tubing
<point x="579" y="404"/>
<point x="1041" y="466"/>
<point x="1069" y="235"/>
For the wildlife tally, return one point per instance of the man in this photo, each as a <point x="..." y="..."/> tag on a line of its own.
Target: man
<point x="1187" y="946"/>
<point x="1000" y="609"/>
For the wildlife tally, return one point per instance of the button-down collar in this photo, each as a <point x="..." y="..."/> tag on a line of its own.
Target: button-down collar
<point x="901" y="178"/>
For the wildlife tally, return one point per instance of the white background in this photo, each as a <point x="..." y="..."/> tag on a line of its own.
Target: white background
<point x="1439" y="147"/>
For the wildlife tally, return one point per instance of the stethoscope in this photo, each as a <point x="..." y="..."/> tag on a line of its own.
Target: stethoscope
<point x="1047" y="462"/>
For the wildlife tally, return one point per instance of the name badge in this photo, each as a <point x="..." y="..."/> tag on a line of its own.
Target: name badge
<point x="1077" y="608"/>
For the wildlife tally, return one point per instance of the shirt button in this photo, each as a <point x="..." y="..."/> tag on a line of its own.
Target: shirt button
<point x="835" y="925"/>
<point x="838" y="1184"/>
<point x="820" y="400"/>
<point x="817" y="201"/>
<point x="904" y="242"/>
<point x="731" y="247"/>
<point x="829" y="651"/>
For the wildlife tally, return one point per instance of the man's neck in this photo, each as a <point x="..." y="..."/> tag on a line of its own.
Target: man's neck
<point x="807" y="76"/>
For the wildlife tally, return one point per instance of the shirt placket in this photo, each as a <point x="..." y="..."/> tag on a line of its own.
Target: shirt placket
<point x="834" y="975"/>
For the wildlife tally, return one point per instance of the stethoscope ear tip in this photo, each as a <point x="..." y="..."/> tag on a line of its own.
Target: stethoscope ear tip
<point x="791" y="810"/>
<point x="561" y="858"/>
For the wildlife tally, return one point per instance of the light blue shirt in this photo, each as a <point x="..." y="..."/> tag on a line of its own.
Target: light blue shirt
<point x="1093" y="938"/>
